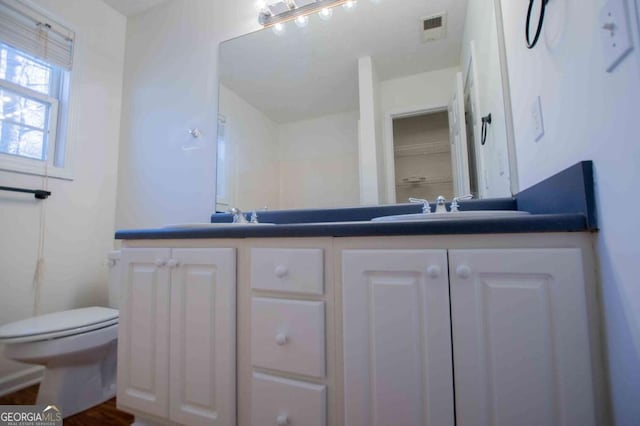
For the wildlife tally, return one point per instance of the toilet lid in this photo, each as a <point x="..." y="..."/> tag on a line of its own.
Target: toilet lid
<point x="60" y="323"/>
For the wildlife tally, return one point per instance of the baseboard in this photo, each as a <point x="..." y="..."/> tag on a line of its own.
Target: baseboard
<point x="20" y="380"/>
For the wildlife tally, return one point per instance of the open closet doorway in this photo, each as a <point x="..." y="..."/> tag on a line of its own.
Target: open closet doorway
<point x="422" y="156"/>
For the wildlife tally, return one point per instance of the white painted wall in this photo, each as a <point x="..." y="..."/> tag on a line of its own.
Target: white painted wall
<point x="316" y="157"/>
<point x="171" y="85"/>
<point x="588" y="114"/>
<point x="80" y="213"/>
<point x="370" y="161"/>
<point x="252" y="157"/>
<point x="405" y="95"/>
<point x="481" y="30"/>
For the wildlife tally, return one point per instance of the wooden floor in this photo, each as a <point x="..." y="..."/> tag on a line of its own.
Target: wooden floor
<point x="104" y="414"/>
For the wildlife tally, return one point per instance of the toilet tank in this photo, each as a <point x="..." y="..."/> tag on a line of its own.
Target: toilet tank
<point x="113" y="260"/>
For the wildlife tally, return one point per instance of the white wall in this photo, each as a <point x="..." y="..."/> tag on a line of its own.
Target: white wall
<point x="588" y="114"/>
<point x="399" y="96"/>
<point x="171" y="85"/>
<point x="252" y="157"/>
<point x="481" y="29"/>
<point x="370" y="161"/>
<point x="318" y="156"/>
<point x="80" y="213"/>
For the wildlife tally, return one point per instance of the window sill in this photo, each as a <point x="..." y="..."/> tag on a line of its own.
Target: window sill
<point x="25" y="166"/>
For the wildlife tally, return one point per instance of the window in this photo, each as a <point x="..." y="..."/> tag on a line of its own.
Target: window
<point x="35" y="65"/>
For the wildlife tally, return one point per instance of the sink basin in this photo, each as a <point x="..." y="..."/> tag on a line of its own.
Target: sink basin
<point x="205" y="225"/>
<point x="471" y="214"/>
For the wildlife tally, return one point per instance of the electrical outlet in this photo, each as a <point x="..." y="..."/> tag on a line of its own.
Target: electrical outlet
<point x="537" y="122"/>
<point x="615" y="33"/>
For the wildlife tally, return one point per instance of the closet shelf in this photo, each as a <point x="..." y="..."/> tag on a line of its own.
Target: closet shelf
<point x="439" y="147"/>
<point x="422" y="180"/>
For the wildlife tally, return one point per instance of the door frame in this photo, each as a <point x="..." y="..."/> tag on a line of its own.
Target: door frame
<point x="388" y="152"/>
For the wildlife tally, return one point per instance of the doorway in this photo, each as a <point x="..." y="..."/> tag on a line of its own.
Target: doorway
<point x="422" y="156"/>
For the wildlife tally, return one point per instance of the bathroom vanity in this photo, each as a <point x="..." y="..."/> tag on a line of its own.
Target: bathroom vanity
<point x="447" y="322"/>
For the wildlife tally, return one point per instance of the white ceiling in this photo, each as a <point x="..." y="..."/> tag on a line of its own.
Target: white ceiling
<point x="132" y="7"/>
<point x="313" y="71"/>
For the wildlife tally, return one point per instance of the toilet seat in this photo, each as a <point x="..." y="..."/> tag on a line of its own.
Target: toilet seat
<point x="58" y="324"/>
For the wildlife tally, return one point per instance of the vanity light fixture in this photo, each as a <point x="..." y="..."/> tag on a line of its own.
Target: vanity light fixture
<point x="279" y="12"/>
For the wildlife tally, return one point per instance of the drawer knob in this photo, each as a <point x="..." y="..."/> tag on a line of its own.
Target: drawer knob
<point x="172" y="263"/>
<point x="160" y="263"/>
<point x="433" y="271"/>
<point x="281" y="339"/>
<point x="463" y="271"/>
<point x="281" y="271"/>
<point x="282" y="420"/>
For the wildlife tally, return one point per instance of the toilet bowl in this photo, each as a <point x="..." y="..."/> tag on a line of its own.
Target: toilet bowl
<point x="78" y="349"/>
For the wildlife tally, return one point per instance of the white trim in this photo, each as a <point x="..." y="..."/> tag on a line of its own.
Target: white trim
<point x="508" y="107"/>
<point x="21" y="379"/>
<point x="388" y="153"/>
<point x="471" y="78"/>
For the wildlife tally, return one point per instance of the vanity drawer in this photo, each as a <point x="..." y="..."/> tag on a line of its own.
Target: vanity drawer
<point x="278" y="401"/>
<point x="288" y="335"/>
<point x="287" y="270"/>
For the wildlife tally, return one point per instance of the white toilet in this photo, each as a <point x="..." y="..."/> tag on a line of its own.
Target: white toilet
<point x="78" y="349"/>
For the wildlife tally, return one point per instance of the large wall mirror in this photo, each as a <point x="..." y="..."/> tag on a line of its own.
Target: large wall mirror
<point x="380" y="103"/>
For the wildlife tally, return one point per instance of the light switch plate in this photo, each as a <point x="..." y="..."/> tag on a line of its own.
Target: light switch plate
<point x="615" y="33"/>
<point x="537" y="122"/>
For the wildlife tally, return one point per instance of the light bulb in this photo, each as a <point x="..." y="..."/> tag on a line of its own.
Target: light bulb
<point x="350" y="4"/>
<point x="325" y="13"/>
<point x="278" y="28"/>
<point x="302" y="21"/>
<point x="261" y="5"/>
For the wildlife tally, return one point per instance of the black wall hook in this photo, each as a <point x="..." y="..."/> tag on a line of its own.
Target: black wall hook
<point x="485" y="123"/>
<point x="527" y="30"/>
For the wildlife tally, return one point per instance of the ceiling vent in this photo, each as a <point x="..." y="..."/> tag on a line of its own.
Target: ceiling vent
<point x="434" y="27"/>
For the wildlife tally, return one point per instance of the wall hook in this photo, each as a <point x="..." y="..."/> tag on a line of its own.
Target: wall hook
<point x="195" y="132"/>
<point x="485" y="123"/>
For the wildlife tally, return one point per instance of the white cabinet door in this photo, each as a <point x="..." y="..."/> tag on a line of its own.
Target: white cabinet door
<point x="143" y="334"/>
<point x="203" y="314"/>
<point x="520" y="338"/>
<point x="397" y="338"/>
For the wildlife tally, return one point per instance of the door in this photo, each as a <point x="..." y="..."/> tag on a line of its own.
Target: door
<point x="143" y="333"/>
<point x="520" y="338"/>
<point x="203" y="339"/>
<point x="397" y="341"/>
<point x="458" y="139"/>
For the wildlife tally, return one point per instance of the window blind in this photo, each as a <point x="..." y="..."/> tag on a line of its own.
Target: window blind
<point x="26" y="29"/>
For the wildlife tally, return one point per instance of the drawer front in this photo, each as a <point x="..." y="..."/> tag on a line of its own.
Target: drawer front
<point x="287" y="270"/>
<point x="278" y="401"/>
<point x="288" y="335"/>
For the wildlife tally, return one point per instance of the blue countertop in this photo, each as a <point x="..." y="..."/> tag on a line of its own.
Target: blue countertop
<point x="562" y="203"/>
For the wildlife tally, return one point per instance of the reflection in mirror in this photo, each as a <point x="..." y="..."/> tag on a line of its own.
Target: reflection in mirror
<point x="377" y="104"/>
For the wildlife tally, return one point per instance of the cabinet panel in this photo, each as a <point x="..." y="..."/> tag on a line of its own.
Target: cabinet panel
<point x="203" y="295"/>
<point x="520" y="338"/>
<point x="397" y="341"/>
<point x="278" y="401"/>
<point x="288" y="335"/>
<point x="287" y="270"/>
<point x="143" y="335"/>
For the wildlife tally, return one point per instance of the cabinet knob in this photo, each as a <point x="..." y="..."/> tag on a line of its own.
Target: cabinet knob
<point x="172" y="263"/>
<point x="433" y="271"/>
<point x="281" y="339"/>
<point x="160" y="263"/>
<point x="282" y="420"/>
<point x="281" y="271"/>
<point x="463" y="271"/>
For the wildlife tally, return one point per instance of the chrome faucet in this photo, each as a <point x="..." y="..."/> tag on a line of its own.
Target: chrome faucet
<point x="426" y="208"/>
<point x="238" y="216"/>
<point x="454" y="203"/>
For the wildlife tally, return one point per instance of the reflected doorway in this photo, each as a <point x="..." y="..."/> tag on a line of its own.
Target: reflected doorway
<point x="422" y="156"/>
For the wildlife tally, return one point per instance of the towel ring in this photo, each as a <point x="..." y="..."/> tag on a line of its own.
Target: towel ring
<point x="543" y="7"/>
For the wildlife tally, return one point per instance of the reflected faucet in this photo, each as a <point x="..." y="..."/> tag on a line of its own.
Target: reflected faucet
<point x="238" y="216"/>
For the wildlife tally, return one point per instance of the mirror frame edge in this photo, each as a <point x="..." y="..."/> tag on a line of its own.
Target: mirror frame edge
<point x="508" y="107"/>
